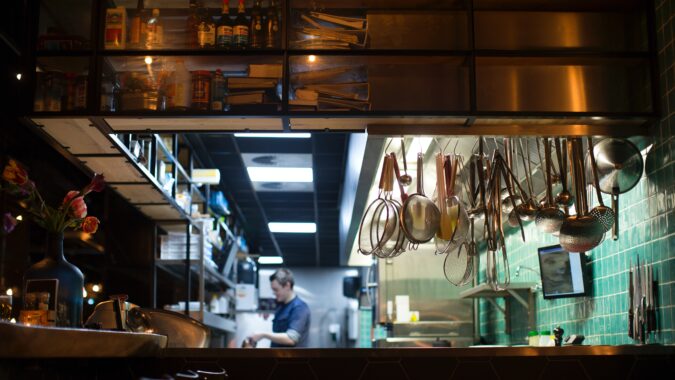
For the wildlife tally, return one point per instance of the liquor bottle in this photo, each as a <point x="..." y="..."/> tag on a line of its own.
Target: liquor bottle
<point x="256" y="33"/>
<point x="240" y="32"/>
<point x="192" y="26"/>
<point x="272" y="26"/>
<point x="218" y="91"/>
<point x="138" y="26"/>
<point x="224" y="28"/>
<point x="155" y="31"/>
<point x="206" y="34"/>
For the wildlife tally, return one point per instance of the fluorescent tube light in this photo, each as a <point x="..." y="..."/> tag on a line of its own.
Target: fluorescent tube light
<point x="275" y="174"/>
<point x="298" y="228"/>
<point x="275" y="135"/>
<point x="270" y="260"/>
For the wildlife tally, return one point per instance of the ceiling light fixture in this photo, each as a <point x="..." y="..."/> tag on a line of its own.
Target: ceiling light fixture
<point x="276" y="174"/>
<point x="270" y="260"/>
<point x="295" y="228"/>
<point x="148" y="60"/>
<point x="275" y="135"/>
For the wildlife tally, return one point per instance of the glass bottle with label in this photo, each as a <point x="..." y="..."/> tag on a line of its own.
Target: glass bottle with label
<point x="224" y="28"/>
<point x="201" y="90"/>
<point x="272" y="26"/>
<point x="256" y="33"/>
<point x="240" y="32"/>
<point x="206" y="34"/>
<point x="218" y="91"/>
<point x="192" y="26"/>
<point x="155" y="31"/>
<point x="138" y="23"/>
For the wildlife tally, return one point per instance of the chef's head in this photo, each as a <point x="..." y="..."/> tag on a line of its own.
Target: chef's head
<point x="282" y="284"/>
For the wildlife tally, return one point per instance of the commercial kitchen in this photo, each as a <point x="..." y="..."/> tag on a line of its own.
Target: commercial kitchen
<point x="360" y="189"/>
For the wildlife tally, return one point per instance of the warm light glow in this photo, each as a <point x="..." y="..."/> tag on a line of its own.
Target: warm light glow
<point x="148" y="60"/>
<point x="18" y="76"/>
<point x="419" y="144"/>
<point x="298" y="228"/>
<point x="270" y="260"/>
<point x="10" y="292"/>
<point x="275" y="135"/>
<point x="84" y="293"/>
<point x="273" y="174"/>
<point x="19" y="217"/>
<point x="13" y="320"/>
<point x="96" y="288"/>
<point x="311" y="59"/>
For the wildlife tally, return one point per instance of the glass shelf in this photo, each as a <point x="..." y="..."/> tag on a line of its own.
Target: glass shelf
<point x="126" y="26"/>
<point x="353" y="25"/>
<point x="379" y="83"/>
<point x="192" y="83"/>
<point x="61" y="84"/>
<point x="581" y="31"/>
<point x="563" y="84"/>
<point x="64" y="25"/>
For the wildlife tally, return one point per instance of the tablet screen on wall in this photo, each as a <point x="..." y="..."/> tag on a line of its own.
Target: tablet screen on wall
<point x="562" y="272"/>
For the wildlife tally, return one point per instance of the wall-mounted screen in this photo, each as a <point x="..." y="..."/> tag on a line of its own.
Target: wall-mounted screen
<point x="562" y="273"/>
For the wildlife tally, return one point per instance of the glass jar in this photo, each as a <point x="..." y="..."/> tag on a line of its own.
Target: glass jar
<point x="545" y="338"/>
<point x="533" y="338"/>
<point x="201" y="90"/>
<point x="80" y="99"/>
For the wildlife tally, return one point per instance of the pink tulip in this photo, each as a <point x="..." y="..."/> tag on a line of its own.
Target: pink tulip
<point x="77" y="208"/>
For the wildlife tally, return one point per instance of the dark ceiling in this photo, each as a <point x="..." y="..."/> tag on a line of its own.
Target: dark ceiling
<point x="327" y="150"/>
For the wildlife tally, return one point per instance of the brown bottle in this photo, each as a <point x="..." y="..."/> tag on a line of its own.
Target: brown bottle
<point x="192" y="26"/>
<point x="257" y="35"/>
<point x="272" y="26"/>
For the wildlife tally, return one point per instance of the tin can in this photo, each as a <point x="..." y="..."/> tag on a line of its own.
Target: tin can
<point x="201" y="89"/>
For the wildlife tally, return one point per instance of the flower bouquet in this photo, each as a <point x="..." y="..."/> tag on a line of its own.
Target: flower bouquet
<point x="52" y="288"/>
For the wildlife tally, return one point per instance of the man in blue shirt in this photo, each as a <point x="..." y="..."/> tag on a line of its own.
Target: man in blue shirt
<point x="290" y="327"/>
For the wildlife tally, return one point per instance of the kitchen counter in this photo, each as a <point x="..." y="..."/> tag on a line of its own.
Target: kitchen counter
<point x="485" y="362"/>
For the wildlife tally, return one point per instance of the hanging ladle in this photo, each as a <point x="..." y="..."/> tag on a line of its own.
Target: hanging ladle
<point x="549" y="218"/>
<point x="405" y="179"/>
<point x="581" y="232"/>
<point x="603" y="213"/>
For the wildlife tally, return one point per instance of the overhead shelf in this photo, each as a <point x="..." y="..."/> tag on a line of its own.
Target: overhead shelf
<point x="210" y="274"/>
<point x="515" y="291"/>
<point x="77" y="135"/>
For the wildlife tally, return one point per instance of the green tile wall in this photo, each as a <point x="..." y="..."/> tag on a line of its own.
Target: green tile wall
<point x="647" y="229"/>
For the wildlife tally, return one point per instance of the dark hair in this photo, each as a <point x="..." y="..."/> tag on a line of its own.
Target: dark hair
<point x="283" y="276"/>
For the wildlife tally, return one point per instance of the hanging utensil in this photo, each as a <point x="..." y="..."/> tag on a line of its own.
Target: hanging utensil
<point x="420" y="216"/>
<point x="549" y="218"/>
<point x="527" y="211"/>
<point x="581" y="232"/>
<point x="620" y="166"/>
<point x="386" y="243"/>
<point x="367" y="240"/>
<point x="604" y="214"/>
<point x="509" y="201"/>
<point x="456" y="265"/>
<point x="564" y="198"/>
<point x="631" y="332"/>
<point x="405" y="179"/>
